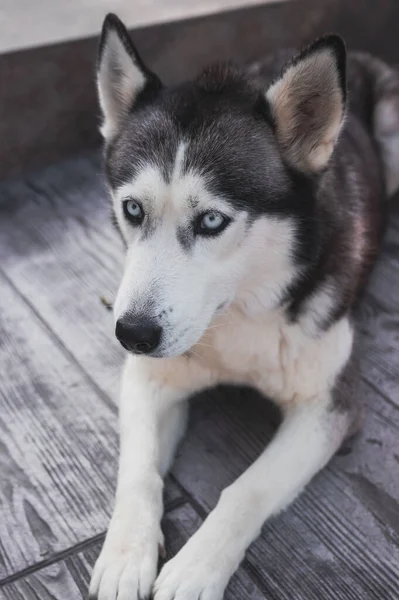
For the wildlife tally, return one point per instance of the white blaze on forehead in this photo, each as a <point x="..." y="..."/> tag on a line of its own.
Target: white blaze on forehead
<point x="151" y="188"/>
<point x="178" y="168"/>
<point x="188" y="184"/>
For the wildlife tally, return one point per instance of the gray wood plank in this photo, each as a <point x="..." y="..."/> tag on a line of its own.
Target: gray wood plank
<point x="58" y="247"/>
<point x="58" y="444"/>
<point x="69" y="578"/>
<point x="379" y="317"/>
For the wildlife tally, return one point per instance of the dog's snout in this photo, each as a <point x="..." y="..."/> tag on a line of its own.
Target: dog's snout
<point x="138" y="334"/>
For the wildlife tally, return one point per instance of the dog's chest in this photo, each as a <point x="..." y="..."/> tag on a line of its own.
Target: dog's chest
<point x="275" y="356"/>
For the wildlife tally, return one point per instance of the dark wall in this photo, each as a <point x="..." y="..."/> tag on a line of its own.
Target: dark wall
<point x="47" y="95"/>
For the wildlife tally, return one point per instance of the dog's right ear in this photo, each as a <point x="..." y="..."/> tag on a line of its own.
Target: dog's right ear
<point x="308" y="104"/>
<point x="121" y="76"/>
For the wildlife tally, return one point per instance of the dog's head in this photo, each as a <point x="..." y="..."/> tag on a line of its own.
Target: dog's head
<point x="212" y="185"/>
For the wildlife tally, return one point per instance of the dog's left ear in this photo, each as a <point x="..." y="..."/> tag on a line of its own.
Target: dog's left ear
<point x="122" y="76"/>
<point x="308" y="104"/>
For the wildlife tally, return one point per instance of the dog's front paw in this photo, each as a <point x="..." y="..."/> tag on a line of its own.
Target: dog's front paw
<point x="126" y="569"/>
<point x="192" y="575"/>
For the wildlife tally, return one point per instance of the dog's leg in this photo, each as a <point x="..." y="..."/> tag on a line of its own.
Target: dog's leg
<point x="310" y="434"/>
<point x="151" y="424"/>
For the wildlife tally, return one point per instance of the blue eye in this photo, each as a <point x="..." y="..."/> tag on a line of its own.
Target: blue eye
<point x="133" y="211"/>
<point x="211" y="223"/>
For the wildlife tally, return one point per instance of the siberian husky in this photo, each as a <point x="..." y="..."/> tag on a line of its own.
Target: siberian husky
<point x="251" y="203"/>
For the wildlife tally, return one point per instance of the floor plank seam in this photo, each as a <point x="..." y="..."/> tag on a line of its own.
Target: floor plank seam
<point x="60" y="344"/>
<point x="256" y="577"/>
<point x="174" y="504"/>
<point x="79" y="547"/>
<point x="380" y="392"/>
<point x="196" y="506"/>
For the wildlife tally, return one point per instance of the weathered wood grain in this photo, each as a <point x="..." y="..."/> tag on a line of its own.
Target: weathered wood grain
<point x="58" y="443"/>
<point x="69" y="578"/>
<point x="379" y="317"/>
<point x="59" y="249"/>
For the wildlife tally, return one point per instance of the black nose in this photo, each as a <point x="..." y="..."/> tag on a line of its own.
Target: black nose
<point x="139" y="334"/>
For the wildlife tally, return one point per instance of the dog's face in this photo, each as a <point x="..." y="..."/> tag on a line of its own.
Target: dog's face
<point x="211" y="187"/>
<point x="192" y="243"/>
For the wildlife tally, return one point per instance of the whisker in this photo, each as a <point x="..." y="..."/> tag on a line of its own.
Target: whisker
<point x="219" y="324"/>
<point x="204" y="345"/>
<point x="195" y="354"/>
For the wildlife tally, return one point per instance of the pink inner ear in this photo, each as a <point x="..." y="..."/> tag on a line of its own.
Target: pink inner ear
<point x="308" y="106"/>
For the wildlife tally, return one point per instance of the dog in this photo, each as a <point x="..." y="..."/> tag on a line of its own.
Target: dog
<point x="251" y="203"/>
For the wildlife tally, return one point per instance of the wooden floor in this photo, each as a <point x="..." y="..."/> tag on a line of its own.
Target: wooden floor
<point x="59" y="367"/>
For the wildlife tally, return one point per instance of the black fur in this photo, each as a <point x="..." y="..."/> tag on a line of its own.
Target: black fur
<point x="112" y="22"/>
<point x="227" y="124"/>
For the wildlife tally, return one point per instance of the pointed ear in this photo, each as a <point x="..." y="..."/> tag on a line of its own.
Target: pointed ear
<point x="121" y="75"/>
<point x="308" y="104"/>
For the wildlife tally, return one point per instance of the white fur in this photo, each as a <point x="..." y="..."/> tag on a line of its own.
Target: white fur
<point x="253" y="343"/>
<point x="205" y="564"/>
<point x="299" y="371"/>
<point x="129" y="558"/>
<point x="278" y="359"/>
<point x="189" y="286"/>
<point x="248" y="345"/>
